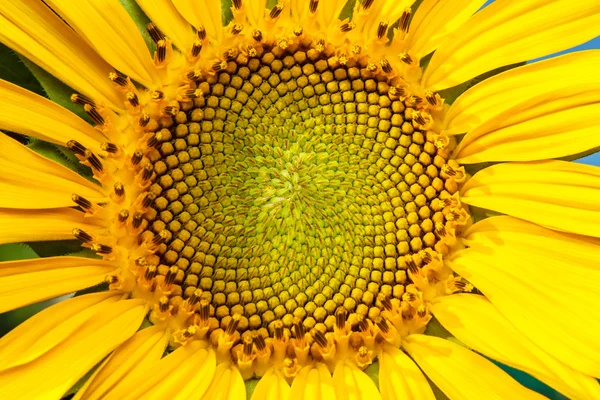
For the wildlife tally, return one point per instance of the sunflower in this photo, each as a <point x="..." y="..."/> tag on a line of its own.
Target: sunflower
<point x="289" y="198"/>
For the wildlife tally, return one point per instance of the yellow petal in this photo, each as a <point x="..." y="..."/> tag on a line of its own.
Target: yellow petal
<point x="462" y="374"/>
<point x="164" y="14"/>
<point x="313" y="382"/>
<point x="351" y="383"/>
<point x="400" y="378"/>
<point x="227" y="384"/>
<point x="33" y="30"/>
<point x="183" y="374"/>
<point x="272" y="386"/>
<point x="30" y="114"/>
<point x="475" y="321"/>
<point x="33" y="181"/>
<point x="109" y="29"/>
<point x="48" y="328"/>
<point x="551" y="302"/>
<point x="556" y="194"/>
<point x="35" y="225"/>
<point x="435" y="20"/>
<point x="575" y="250"/>
<point x="329" y="11"/>
<point x="203" y="12"/>
<point x="26" y="282"/>
<point x="55" y="371"/>
<point x="504" y="92"/>
<point x="143" y="349"/>
<point x="510" y="31"/>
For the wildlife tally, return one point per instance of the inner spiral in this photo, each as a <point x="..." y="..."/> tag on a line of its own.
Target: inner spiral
<point x="294" y="186"/>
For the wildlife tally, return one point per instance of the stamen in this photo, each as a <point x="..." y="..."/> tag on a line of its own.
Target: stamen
<point x="144" y="119"/>
<point x="194" y="93"/>
<point x="196" y="49"/>
<point x="299" y="331"/>
<point x="257" y="35"/>
<point x="219" y="66"/>
<point x="132" y="98"/>
<point x="278" y="329"/>
<point x="385" y="302"/>
<point x="123" y="215"/>
<point x="383" y="325"/>
<point x="151" y="272"/>
<point x="118" y="79"/>
<point x="319" y="338"/>
<point x="276" y="11"/>
<point x="157" y="95"/>
<point x="82" y="202"/>
<point x="195" y="297"/>
<point x="82" y="235"/>
<point x="298" y="31"/>
<point x="163" y="304"/>
<point x="312" y="7"/>
<point x="160" y="237"/>
<point x="363" y="324"/>
<point x="194" y="75"/>
<point x="418" y="117"/>
<point x="82" y="100"/>
<point x="102" y="248"/>
<point x="237" y="4"/>
<point x="171" y="110"/>
<point x="155" y="33"/>
<point x="137" y="219"/>
<point x="386" y="66"/>
<point x="421" y="311"/>
<point x="94" y="114"/>
<point x="406" y="58"/>
<point x="404" y="20"/>
<point x="148" y="200"/>
<point x="76" y="147"/>
<point x="93" y="160"/>
<point x="340" y="318"/>
<point x="111" y="279"/>
<point x="367" y="4"/>
<point x="347" y="27"/>
<point x="155" y="140"/>
<point x="171" y="275"/>
<point x="382" y="29"/>
<point x="201" y="33"/>
<point x="260" y="343"/>
<point x="236" y="29"/>
<point x="204" y="310"/>
<point x="233" y="324"/>
<point x="431" y="98"/>
<point x="136" y="157"/>
<point x="161" y="51"/>
<point x="109" y="147"/>
<point x="119" y="189"/>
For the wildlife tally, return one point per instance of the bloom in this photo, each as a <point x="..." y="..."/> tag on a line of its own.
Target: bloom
<point x="286" y="198"/>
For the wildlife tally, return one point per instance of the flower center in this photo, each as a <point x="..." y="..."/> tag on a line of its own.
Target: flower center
<point x="296" y="188"/>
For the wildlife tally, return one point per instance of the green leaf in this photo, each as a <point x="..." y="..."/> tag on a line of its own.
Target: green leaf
<point x="103" y="287"/>
<point x="57" y="91"/>
<point x="250" y="386"/>
<point x="227" y="15"/>
<point x="140" y="19"/>
<point x="60" y="155"/>
<point x="348" y="10"/>
<point x="16" y="251"/>
<point x="13" y="70"/>
<point x="373" y="372"/>
<point x="56" y="248"/>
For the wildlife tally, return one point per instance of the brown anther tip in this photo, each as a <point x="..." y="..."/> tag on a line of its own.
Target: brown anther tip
<point x="82" y="235"/>
<point x="201" y="32"/>
<point x="367" y="4"/>
<point x="363" y="324"/>
<point x="150" y="272"/>
<point x="161" y="51"/>
<point x="120" y="80"/>
<point x="194" y="76"/>
<point x="102" y="248"/>
<point x="144" y="120"/>
<point x="189" y="332"/>
<point x="81" y="202"/>
<point x="382" y="29"/>
<point x="276" y="11"/>
<point x="248" y="347"/>
<point x="340" y="318"/>
<point x="160" y="237"/>
<point x="298" y="31"/>
<point x="119" y="189"/>
<point x="111" y="279"/>
<point x="237" y="4"/>
<point x="163" y="303"/>
<point x="109" y="147"/>
<point x="137" y="219"/>
<point x="141" y="261"/>
<point x="219" y="65"/>
<point x="196" y="47"/>
<point x="137" y="156"/>
<point x="406" y="58"/>
<point x="148" y="199"/>
<point x="171" y="110"/>
<point x="319" y="337"/>
<point x="278" y="328"/>
<point x="259" y="342"/>
<point x="383" y="325"/>
<point x="194" y="93"/>
<point x="132" y="98"/>
<point x="154" y="140"/>
<point x="94" y="161"/>
<point x="405" y="20"/>
<point x="412" y="266"/>
<point x="76" y="147"/>
<point x="148" y="170"/>
<point x="431" y="98"/>
<point x="123" y="215"/>
<point x="257" y="35"/>
<point x="408" y="296"/>
<point x="421" y="311"/>
<point x="157" y="95"/>
<point x="347" y="27"/>
<point x="195" y="297"/>
<point x="385" y="65"/>
<point x="204" y="311"/>
<point x="299" y="331"/>
<point x="312" y="7"/>
<point x="236" y="29"/>
<point x="154" y="32"/>
<point x="171" y="275"/>
<point x="94" y="114"/>
<point x="82" y="100"/>
<point x="385" y="302"/>
<point x="233" y="324"/>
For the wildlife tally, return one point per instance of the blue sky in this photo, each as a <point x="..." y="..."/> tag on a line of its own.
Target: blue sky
<point x="593" y="159"/>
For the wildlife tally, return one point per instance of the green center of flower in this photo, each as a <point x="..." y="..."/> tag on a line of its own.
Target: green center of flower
<point x="293" y="186"/>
